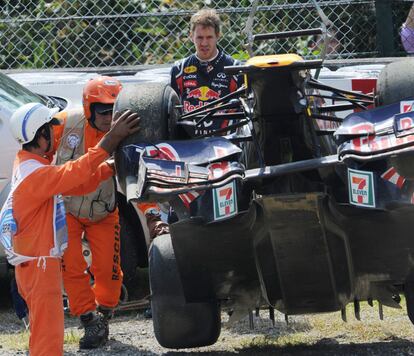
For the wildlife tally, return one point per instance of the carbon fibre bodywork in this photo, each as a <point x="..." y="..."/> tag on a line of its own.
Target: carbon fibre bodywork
<point x="316" y="215"/>
<point x="298" y="253"/>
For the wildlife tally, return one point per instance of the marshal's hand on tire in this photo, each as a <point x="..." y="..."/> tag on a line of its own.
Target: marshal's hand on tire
<point x="123" y="124"/>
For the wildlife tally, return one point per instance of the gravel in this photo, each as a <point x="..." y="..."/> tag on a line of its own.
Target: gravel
<point x="132" y="334"/>
<point x="323" y="334"/>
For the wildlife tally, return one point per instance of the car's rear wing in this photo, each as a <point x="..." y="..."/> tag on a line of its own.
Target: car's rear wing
<point x="274" y="62"/>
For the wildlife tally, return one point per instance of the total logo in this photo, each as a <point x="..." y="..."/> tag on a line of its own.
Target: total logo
<point x="361" y="188"/>
<point x="190" y="83"/>
<point x="203" y="93"/>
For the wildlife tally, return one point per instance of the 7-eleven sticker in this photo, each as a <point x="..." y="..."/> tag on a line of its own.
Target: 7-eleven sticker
<point x="361" y="188"/>
<point x="224" y="201"/>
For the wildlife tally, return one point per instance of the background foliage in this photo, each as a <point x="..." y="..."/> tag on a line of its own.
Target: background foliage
<point x="86" y="33"/>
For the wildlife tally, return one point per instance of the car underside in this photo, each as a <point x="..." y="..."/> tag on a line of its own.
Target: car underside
<point x="290" y="207"/>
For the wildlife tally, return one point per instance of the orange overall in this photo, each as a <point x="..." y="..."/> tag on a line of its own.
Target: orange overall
<point x="102" y="235"/>
<point x="104" y="242"/>
<point x="39" y="281"/>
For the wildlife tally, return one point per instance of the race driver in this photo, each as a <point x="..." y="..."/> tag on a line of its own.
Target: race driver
<point x="200" y="78"/>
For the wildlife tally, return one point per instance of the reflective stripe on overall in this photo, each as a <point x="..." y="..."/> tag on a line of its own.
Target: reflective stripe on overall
<point x="8" y="225"/>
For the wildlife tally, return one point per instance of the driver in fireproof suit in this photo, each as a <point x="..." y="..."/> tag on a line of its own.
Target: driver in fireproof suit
<point x="200" y="78"/>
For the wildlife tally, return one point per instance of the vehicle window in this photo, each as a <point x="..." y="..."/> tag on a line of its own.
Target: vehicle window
<point x="13" y="95"/>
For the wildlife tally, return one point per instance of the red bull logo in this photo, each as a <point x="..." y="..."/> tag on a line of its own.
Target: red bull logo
<point x="203" y="93"/>
<point x="195" y="93"/>
<point x="188" y="107"/>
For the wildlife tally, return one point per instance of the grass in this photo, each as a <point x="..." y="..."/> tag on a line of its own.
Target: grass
<point x="20" y="340"/>
<point x="303" y="332"/>
<point x="329" y="327"/>
<point x="15" y="341"/>
<point x="72" y="337"/>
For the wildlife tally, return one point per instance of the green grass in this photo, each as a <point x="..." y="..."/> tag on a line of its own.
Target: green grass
<point x="302" y="331"/>
<point x="15" y="341"/>
<point x="324" y="327"/>
<point x="20" y="340"/>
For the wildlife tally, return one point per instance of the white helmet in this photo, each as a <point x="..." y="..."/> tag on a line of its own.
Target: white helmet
<point x="26" y="120"/>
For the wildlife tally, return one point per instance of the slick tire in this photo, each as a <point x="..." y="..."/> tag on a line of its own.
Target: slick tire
<point x="409" y="298"/>
<point x="133" y="247"/>
<point x="395" y="83"/>
<point x="177" y="324"/>
<point x="157" y="105"/>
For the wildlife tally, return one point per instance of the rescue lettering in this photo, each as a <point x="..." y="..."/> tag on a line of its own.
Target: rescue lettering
<point x="115" y="274"/>
<point x="116" y="258"/>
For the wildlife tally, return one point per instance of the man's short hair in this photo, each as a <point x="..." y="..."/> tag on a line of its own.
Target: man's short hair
<point x="206" y="18"/>
<point x="39" y="133"/>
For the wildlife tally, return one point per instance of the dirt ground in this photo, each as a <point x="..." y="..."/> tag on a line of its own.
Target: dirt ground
<point x="324" y="334"/>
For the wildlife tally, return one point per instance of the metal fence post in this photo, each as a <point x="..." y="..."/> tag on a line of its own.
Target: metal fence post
<point x="385" y="30"/>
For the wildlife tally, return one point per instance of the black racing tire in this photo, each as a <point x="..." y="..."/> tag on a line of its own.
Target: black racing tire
<point x="133" y="242"/>
<point x="134" y="252"/>
<point x="129" y="251"/>
<point x="157" y="104"/>
<point x="409" y="299"/>
<point x="396" y="82"/>
<point x="177" y="324"/>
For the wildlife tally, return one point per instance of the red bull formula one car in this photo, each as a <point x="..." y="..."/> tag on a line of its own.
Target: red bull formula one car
<point x="290" y="208"/>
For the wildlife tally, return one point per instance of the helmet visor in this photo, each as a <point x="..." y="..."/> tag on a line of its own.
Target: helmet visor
<point x="103" y="108"/>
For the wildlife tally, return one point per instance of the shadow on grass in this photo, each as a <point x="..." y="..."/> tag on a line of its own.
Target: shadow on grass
<point x="324" y="347"/>
<point x="265" y="326"/>
<point x="113" y="347"/>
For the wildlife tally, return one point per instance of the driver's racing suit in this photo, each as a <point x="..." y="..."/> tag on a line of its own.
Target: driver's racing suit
<point x="200" y="82"/>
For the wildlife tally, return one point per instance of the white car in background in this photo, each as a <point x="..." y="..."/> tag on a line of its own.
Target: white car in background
<point x="64" y="89"/>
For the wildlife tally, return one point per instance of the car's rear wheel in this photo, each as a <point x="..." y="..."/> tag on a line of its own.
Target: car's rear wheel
<point x="396" y="83"/>
<point x="157" y="106"/>
<point x="409" y="299"/>
<point x="178" y="324"/>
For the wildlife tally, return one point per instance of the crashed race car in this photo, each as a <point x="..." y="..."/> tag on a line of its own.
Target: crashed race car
<point x="289" y="208"/>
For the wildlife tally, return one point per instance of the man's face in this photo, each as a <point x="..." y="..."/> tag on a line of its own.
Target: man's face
<point x="46" y="145"/>
<point x="103" y="120"/>
<point x="205" y="41"/>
